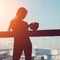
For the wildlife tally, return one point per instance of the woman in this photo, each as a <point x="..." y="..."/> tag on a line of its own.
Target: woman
<point x="21" y="36"/>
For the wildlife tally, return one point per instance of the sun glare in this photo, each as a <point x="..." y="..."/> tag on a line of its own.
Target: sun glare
<point x="2" y="8"/>
<point x="8" y="10"/>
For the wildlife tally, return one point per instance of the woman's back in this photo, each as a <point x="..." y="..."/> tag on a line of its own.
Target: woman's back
<point x="19" y="27"/>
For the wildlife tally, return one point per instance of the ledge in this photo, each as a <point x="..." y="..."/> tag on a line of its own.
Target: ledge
<point x="55" y="32"/>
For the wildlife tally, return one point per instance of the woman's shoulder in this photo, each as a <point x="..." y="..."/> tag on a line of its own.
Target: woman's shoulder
<point x="13" y="20"/>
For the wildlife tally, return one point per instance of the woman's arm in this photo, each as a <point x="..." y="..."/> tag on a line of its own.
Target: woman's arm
<point x="9" y="28"/>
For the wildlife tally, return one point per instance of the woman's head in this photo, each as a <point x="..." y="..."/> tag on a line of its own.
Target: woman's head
<point x="21" y="13"/>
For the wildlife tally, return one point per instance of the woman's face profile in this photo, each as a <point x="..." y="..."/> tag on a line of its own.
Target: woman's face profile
<point x="21" y="13"/>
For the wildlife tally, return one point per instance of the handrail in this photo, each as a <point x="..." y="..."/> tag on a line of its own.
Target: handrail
<point x="55" y="32"/>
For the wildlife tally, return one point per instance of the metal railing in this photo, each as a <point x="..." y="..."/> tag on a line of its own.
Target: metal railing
<point x="55" y="32"/>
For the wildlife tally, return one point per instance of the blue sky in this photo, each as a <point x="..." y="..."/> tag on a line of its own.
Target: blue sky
<point x="45" y="12"/>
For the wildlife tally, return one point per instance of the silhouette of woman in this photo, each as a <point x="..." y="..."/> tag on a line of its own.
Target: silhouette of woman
<point x="21" y="35"/>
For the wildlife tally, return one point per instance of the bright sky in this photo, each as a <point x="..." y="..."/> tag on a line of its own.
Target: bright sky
<point x="46" y="12"/>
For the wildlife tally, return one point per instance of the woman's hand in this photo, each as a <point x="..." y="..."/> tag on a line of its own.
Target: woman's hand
<point x="34" y="26"/>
